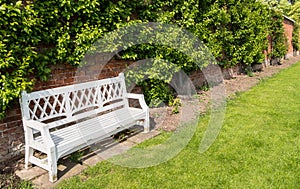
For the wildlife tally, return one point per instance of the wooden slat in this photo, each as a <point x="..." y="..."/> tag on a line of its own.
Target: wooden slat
<point x="98" y="128"/>
<point x="84" y="115"/>
<point x="40" y="162"/>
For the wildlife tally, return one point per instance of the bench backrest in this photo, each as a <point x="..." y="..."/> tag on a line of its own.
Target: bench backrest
<point x="73" y="102"/>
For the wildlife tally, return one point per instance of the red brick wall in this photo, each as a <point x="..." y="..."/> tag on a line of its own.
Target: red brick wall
<point x="11" y="134"/>
<point x="288" y="26"/>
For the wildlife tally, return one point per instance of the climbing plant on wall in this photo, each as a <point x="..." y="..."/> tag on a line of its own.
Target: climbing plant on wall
<point x="295" y="14"/>
<point x="235" y="32"/>
<point x="296" y="39"/>
<point x="279" y="41"/>
<point x="18" y="38"/>
<point x="37" y="34"/>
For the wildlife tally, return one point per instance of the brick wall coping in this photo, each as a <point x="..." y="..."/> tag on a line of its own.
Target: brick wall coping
<point x="288" y="18"/>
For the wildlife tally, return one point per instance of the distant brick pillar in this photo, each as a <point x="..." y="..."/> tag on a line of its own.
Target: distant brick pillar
<point x="288" y="25"/>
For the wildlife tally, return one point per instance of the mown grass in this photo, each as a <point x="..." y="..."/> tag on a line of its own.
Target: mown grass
<point x="258" y="147"/>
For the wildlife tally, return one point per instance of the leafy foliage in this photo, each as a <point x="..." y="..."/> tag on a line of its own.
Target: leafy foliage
<point x="37" y="34"/>
<point x="285" y="6"/>
<point x="295" y="11"/>
<point x="279" y="5"/>
<point x="279" y="41"/>
<point x="296" y="37"/>
<point x="176" y="103"/>
<point x="234" y="31"/>
<point x="17" y="52"/>
<point x="295" y="14"/>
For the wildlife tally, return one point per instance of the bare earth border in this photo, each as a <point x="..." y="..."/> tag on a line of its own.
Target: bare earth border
<point x="240" y="83"/>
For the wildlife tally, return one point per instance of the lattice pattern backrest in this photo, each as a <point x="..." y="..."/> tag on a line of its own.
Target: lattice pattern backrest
<point x="80" y="98"/>
<point x="44" y="105"/>
<point x="109" y="92"/>
<point x="66" y="101"/>
<point x="96" y="94"/>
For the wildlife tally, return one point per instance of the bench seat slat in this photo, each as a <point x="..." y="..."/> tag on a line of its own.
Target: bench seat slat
<point x="103" y="126"/>
<point x="84" y="115"/>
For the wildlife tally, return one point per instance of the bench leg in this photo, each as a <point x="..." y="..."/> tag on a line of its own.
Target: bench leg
<point x="147" y="123"/>
<point x="28" y="154"/>
<point x="52" y="163"/>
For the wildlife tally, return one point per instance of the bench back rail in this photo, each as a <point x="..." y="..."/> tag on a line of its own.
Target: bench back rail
<point x="73" y="102"/>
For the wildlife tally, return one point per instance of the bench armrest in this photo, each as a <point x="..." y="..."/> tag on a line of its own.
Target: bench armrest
<point x="35" y="125"/>
<point x="41" y="127"/>
<point x="141" y="99"/>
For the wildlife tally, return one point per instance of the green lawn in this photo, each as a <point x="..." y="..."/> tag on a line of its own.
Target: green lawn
<point x="258" y="147"/>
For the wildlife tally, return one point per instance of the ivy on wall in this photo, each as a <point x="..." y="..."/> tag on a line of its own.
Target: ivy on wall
<point x="279" y="41"/>
<point x="236" y="31"/>
<point x="296" y="39"/>
<point x="18" y="38"/>
<point x="36" y="34"/>
<point x="295" y="14"/>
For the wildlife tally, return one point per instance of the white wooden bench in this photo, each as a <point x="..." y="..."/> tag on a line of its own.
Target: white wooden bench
<point x="62" y="120"/>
